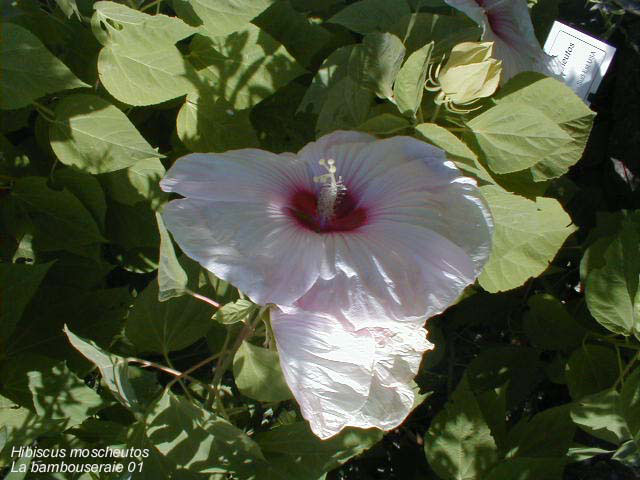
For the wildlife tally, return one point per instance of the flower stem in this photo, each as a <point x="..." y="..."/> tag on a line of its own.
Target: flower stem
<point x="152" y="4"/>
<point x="193" y="369"/>
<point x="46" y="112"/>
<point x="178" y="377"/>
<point x="203" y="298"/>
<point x="620" y="380"/>
<point x="226" y="357"/>
<point x="435" y="114"/>
<point x="164" y="368"/>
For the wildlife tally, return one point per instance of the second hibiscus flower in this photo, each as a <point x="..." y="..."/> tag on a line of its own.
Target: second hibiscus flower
<point x="356" y="240"/>
<point x="507" y="23"/>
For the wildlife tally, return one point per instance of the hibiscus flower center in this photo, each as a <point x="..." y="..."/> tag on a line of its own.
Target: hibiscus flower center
<point x="333" y="208"/>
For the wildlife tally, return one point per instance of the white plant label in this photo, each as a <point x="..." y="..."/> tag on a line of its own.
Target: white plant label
<point x="584" y="59"/>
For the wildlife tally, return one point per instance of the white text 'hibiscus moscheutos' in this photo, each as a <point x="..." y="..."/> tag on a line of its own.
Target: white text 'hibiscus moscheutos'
<point x="356" y="240"/>
<point x="507" y="23"/>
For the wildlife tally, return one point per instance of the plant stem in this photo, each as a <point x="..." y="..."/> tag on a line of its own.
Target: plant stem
<point x="620" y="380"/>
<point x="435" y="114"/>
<point x="46" y="112"/>
<point x="178" y="377"/>
<point x="203" y="298"/>
<point x="227" y="356"/>
<point x="164" y="368"/>
<point x="193" y="368"/>
<point x="152" y="4"/>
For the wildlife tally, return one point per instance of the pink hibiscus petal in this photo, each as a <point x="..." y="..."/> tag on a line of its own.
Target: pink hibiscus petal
<point x="390" y="273"/>
<point x="328" y="367"/>
<point x="507" y="23"/>
<point x="341" y="377"/>
<point x="427" y="236"/>
<point x="391" y="397"/>
<point x="247" y="175"/>
<point x="252" y="246"/>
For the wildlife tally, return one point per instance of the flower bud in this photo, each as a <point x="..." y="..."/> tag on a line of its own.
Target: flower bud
<point x="470" y="73"/>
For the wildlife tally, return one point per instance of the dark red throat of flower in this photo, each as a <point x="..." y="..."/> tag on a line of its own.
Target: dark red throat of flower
<point x="347" y="216"/>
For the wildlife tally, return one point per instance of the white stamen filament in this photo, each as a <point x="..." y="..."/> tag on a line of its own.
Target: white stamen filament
<point x="330" y="191"/>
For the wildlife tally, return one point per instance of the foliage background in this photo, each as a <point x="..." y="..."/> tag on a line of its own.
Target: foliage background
<point x="534" y="375"/>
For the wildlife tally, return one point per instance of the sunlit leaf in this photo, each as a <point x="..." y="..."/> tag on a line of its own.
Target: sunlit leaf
<point x="205" y="124"/>
<point x="198" y="441"/>
<point x="139" y="64"/>
<point x="409" y="85"/>
<point x="612" y="278"/>
<point x="526" y="238"/>
<point x="558" y="102"/>
<point x="258" y="374"/>
<point x="375" y="63"/>
<point x="515" y="135"/>
<point x="93" y="135"/>
<point x="458" y="444"/>
<point x="244" y="67"/>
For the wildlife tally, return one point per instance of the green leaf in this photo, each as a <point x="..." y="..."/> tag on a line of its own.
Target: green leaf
<point x="418" y="29"/>
<point x="579" y="453"/>
<point x="385" y="124"/>
<point x="113" y="368"/>
<point x="295" y="453"/>
<point x="97" y="314"/>
<point x="93" y="135"/>
<point x="172" y="279"/>
<point x="547" y="434"/>
<point x="375" y="63"/>
<point x="409" y="85"/>
<point x="600" y="415"/>
<point x="628" y="454"/>
<point x="61" y="222"/>
<point x="457" y="151"/>
<point x="458" y="444"/>
<point x="155" y="465"/>
<point x="138" y="183"/>
<point x="235" y="312"/>
<point x="222" y="17"/>
<point x="307" y="41"/>
<point x="591" y="369"/>
<point x="197" y="440"/>
<point x="525" y="468"/>
<point x="369" y="16"/>
<point x="69" y="7"/>
<point x="338" y="101"/>
<point x="514" y="136"/>
<point x="205" y="124"/>
<point x="519" y="368"/>
<point x="526" y="238"/>
<point x="612" y="278"/>
<point x="279" y="124"/>
<point x="19" y="283"/>
<point x="158" y="327"/>
<point x="23" y="426"/>
<point x="28" y="70"/>
<point x="244" y="67"/>
<point x="115" y="23"/>
<point x="87" y="189"/>
<point x="49" y="388"/>
<point x="347" y="106"/>
<point x="258" y="374"/>
<point x="630" y="403"/>
<point x="139" y="64"/>
<point x="560" y="104"/>
<point x="549" y="326"/>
